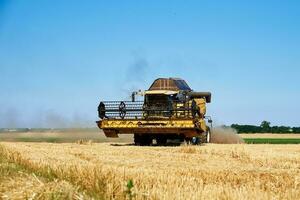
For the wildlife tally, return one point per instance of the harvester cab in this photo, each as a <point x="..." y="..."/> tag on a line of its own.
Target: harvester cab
<point x="170" y="110"/>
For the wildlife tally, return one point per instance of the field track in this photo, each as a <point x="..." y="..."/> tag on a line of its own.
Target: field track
<point x="212" y="171"/>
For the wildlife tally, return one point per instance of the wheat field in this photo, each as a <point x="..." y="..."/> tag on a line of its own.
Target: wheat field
<point x="102" y="170"/>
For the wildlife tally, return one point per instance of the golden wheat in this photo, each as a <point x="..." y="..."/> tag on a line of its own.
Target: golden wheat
<point x="18" y="183"/>
<point x="186" y="172"/>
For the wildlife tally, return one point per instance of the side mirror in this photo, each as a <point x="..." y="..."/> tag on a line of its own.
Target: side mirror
<point x="133" y="97"/>
<point x="210" y="121"/>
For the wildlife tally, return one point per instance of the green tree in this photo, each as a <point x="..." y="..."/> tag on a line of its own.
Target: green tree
<point x="265" y="125"/>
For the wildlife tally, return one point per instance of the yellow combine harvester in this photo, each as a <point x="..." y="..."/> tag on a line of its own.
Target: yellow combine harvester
<point x="170" y="110"/>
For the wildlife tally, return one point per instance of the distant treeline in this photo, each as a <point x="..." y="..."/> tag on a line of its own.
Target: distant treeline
<point x="265" y="128"/>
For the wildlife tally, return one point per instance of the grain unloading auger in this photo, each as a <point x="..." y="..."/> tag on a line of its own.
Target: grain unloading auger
<point x="170" y="110"/>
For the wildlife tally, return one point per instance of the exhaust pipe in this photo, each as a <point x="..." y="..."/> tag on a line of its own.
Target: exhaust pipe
<point x="206" y="95"/>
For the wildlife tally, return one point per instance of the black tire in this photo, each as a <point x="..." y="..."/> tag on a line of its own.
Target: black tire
<point x="137" y="139"/>
<point x="142" y="140"/>
<point x="161" y="140"/>
<point x="146" y="140"/>
<point x="195" y="141"/>
<point x="187" y="140"/>
<point x="207" y="136"/>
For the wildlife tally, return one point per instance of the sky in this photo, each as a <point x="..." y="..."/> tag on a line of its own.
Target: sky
<point x="58" y="59"/>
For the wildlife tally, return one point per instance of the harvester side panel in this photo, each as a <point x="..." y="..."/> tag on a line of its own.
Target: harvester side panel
<point x="187" y="127"/>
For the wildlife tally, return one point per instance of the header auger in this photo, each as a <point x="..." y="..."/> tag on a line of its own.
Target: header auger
<point x="170" y="110"/>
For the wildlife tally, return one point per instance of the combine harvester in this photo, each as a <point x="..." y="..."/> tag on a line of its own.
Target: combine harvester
<point x="170" y="110"/>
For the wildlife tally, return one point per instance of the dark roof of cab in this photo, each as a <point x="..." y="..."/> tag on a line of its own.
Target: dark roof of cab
<point x="170" y="84"/>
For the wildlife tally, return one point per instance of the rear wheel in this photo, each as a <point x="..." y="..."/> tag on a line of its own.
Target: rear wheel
<point x="207" y="136"/>
<point x="195" y="140"/>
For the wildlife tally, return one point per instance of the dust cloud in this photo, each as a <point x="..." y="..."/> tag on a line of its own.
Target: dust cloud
<point x="43" y="118"/>
<point x="10" y="118"/>
<point x="225" y="135"/>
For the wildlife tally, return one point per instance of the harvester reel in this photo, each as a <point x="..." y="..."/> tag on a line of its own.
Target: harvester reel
<point x="101" y="110"/>
<point x="122" y="110"/>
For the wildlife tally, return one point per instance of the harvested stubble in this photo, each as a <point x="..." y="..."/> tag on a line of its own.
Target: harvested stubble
<point x="204" y="172"/>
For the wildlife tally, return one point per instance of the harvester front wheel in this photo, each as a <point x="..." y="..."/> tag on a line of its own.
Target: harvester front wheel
<point x="146" y="140"/>
<point x="137" y="139"/>
<point x="142" y="140"/>
<point x="161" y="140"/>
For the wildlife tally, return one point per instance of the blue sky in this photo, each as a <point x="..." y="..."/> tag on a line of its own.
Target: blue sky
<point x="58" y="59"/>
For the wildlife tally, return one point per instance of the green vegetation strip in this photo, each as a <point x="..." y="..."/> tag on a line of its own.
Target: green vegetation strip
<point x="272" y="140"/>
